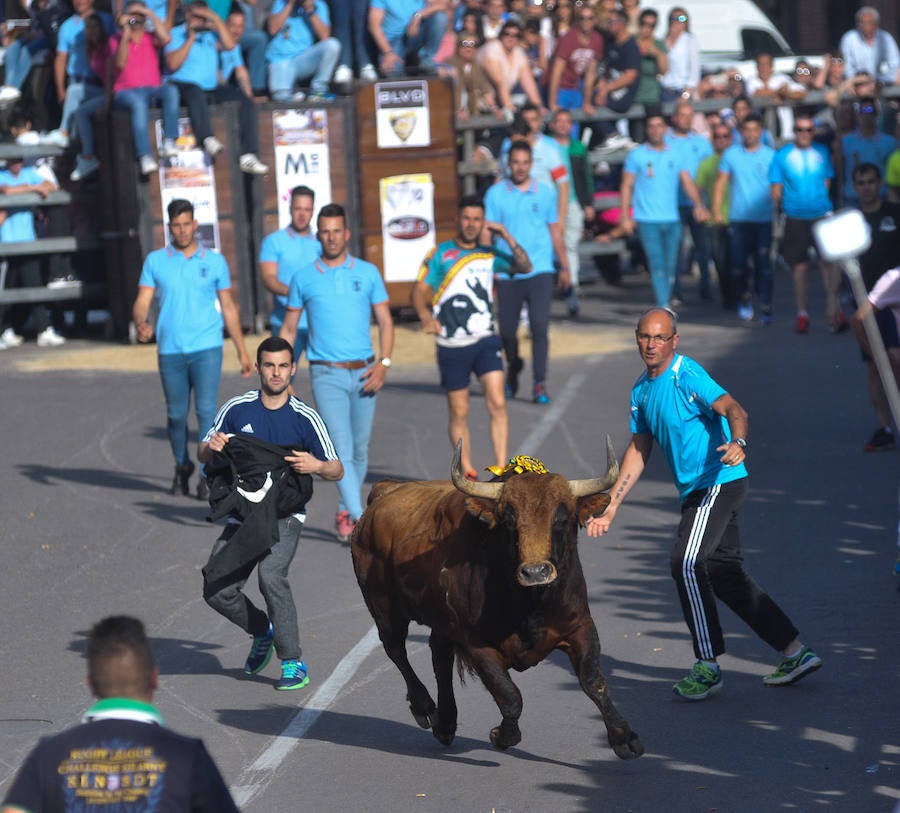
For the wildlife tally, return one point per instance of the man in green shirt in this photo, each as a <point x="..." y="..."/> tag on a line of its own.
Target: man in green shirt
<point x="717" y="224"/>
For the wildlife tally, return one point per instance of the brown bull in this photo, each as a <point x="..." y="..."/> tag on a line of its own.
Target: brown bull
<point x="493" y="570"/>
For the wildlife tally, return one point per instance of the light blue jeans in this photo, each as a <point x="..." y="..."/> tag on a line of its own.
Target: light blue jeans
<point x="76" y="94"/>
<point x="348" y="413"/>
<point x="181" y="373"/>
<point x="138" y="100"/>
<point x="425" y="43"/>
<point x="317" y="62"/>
<point x="84" y="121"/>
<point x="20" y="57"/>
<point x="661" y="242"/>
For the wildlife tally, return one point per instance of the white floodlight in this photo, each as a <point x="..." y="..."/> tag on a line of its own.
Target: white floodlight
<point x="842" y="235"/>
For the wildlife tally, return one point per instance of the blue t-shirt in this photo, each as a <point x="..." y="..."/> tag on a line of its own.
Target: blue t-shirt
<point x="19" y="223"/>
<point x="338" y="302"/>
<point x="187" y="289"/>
<point x="802" y="174"/>
<point x="656" y="183"/>
<point x="397" y="14"/>
<point x="229" y="60"/>
<point x="201" y="66"/>
<point x="676" y="409"/>
<point x="296" y="35"/>
<point x="292" y="251"/>
<point x="71" y="42"/>
<point x="295" y="424"/>
<point x="856" y="150"/>
<point x="690" y="150"/>
<point x="526" y="214"/>
<point x="748" y="179"/>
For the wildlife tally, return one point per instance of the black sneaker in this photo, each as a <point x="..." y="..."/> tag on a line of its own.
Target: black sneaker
<point x="512" y="378"/>
<point x="881" y="441"/>
<point x="181" y="478"/>
<point x="202" y="490"/>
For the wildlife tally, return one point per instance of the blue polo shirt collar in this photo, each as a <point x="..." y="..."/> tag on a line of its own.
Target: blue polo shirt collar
<point x="171" y="251"/>
<point x="511" y="187"/>
<point x="322" y="268"/>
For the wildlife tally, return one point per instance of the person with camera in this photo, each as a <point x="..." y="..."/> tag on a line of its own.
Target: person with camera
<point x="192" y="57"/>
<point x="301" y="48"/>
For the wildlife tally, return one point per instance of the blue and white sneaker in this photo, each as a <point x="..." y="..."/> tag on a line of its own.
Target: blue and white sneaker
<point x="293" y="676"/>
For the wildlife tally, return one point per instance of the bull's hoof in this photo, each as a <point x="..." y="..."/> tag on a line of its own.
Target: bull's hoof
<point x="444" y="734"/>
<point x="626" y="744"/>
<point x="506" y="735"/>
<point x="424" y="720"/>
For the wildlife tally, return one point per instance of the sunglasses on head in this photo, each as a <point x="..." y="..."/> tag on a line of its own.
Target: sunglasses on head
<point x="467" y="43"/>
<point x="866" y="108"/>
<point x="802" y="71"/>
<point x="678" y="18"/>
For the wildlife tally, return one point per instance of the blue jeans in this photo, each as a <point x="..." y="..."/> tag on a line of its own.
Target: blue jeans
<point x="181" y="373"/>
<point x="253" y="49"/>
<point x="138" y="100"/>
<point x="19" y="58"/>
<point x="317" y="62"/>
<point x="84" y="118"/>
<point x="349" y="27"/>
<point x="661" y="242"/>
<point x="76" y="94"/>
<point x="425" y="43"/>
<point x="751" y="240"/>
<point x="348" y="413"/>
<point x="701" y="252"/>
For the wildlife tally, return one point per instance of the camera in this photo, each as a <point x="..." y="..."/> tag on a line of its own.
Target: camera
<point x="135" y="21"/>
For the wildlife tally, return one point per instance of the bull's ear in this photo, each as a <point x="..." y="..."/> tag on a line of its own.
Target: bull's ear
<point x="483" y="509"/>
<point x="591" y="506"/>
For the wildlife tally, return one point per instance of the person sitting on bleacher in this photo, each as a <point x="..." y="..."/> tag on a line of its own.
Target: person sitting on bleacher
<point x="192" y="56"/>
<point x="404" y="29"/>
<point x="17" y="225"/>
<point x="232" y="70"/>
<point x="29" y="48"/>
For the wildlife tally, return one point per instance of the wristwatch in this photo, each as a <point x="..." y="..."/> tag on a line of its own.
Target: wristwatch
<point x="386" y="361"/>
<point x="740" y="442"/>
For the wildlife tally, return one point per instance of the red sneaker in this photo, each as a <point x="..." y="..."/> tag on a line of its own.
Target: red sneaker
<point x="840" y="323"/>
<point x="802" y="324"/>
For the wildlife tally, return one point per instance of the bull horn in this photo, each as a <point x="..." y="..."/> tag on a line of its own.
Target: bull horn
<point x="473" y="489"/>
<point x="582" y="488"/>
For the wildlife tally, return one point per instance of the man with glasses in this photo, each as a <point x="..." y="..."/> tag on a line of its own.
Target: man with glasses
<point x="702" y="431"/>
<point x="577" y="51"/>
<point x="800" y="176"/>
<point x="865" y="145"/>
<point x="744" y="170"/>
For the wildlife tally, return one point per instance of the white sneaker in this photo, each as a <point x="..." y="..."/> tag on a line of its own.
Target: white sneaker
<point x="50" y="338"/>
<point x="83" y="168"/>
<point x="343" y="75"/>
<point x="252" y="165"/>
<point x="148" y="165"/>
<point x="10" y="338"/>
<point x="212" y="146"/>
<point x="168" y="149"/>
<point x="298" y="97"/>
<point x="56" y="138"/>
<point x="9" y="94"/>
<point x="67" y="281"/>
<point x="368" y="73"/>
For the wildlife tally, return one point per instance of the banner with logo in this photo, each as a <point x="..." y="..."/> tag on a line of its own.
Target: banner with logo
<point x="401" y="114"/>
<point x="189" y="175"/>
<point x="301" y="158"/>
<point x="407" y="224"/>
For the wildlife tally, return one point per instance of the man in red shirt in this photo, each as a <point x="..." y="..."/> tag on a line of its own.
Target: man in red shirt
<point x="576" y="50"/>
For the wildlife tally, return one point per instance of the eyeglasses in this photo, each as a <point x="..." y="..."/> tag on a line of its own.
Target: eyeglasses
<point x="678" y="18"/>
<point x="803" y="129"/>
<point x="867" y="109"/>
<point x="836" y="60"/>
<point x="802" y="71"/>
<point x="646" y="338"/>
<point x="467" y="43"/>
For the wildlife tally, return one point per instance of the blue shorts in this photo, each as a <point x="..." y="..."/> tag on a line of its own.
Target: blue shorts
<point x="458" y="363"/>
<point x="887" y="327"/>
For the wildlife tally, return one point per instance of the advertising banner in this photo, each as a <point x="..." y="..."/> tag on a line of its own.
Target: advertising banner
<point x="301" y="158"/>
<point x="407" y="224"/>
<point x="401" y="114"/>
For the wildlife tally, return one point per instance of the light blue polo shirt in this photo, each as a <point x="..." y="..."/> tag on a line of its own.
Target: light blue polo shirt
<point x="526" y="215"/>
<point x="229" y="60"/>
<point x="656" y="184"/>
<point x="857" y="149"/>
<point x="748" y="178"/>
<point x="71" y="42"/>
<point x="187" y="290"/>
<point x="676" y="409"/>
<point x="802" y="174"/>
<point x="292" y="251"/>
<point x="19" y="223"/>
<point x="201" y="67"/>
<point x="397" y="14"/>
<point x="339" y="304"/>
<point x="296" y="35"/>
<point x="691" y="149"/>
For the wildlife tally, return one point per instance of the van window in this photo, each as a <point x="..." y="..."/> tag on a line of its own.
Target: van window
<point x="759" y="41"/>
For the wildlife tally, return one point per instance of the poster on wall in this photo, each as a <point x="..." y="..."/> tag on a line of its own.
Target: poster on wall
<point x="189" y="175"/>
<point x="301" y="158"/>
<point x="401" y="114"/>
<point x="407" y="224"/>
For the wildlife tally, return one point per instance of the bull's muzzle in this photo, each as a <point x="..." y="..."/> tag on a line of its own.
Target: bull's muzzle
<point x="536" y="574"/>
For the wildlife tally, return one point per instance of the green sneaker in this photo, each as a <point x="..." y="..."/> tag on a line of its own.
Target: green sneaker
<point x="700" y="683"/>
<point x="293" y="676"/>
<point x="790" y="670"/>
<point x="260" y="651"/>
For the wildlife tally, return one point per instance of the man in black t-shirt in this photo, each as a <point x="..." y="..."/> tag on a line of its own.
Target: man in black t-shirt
<point x="121" y="757"/>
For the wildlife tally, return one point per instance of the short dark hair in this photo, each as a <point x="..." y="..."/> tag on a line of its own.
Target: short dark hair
<point x="302" y="192"/>
<point x="18" y="118"/>
<point x="520" y="146"/>
<point x="120" y="661"/>
<point x="178" y="207"/>
<point x="649" y="12"/>
<point x="752" y="117"/>
<point x="467" y="201"/>
<point x="235" y="8"/>
<point x="332" y="210"/>
<point x="519" y="126"/>
<point x="865" y="168"/>
<point x="273" y="344"/>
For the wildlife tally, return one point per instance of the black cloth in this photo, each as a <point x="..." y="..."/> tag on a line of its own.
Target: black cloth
<point x="123" y="766"/>
<point x="621" y="57"/>
<point x="884" y="253"/>
<point x="236" y="477"/>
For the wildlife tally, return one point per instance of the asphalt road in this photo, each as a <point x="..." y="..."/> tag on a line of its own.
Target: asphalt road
<point x="88" y="530"/>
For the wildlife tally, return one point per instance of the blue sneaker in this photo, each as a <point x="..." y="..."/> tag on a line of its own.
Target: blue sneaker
<point x="260" y="652"/>
<point x="320" y="96"/>
<point x="540" y="395"/>
<point x="293" y="676"/>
